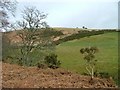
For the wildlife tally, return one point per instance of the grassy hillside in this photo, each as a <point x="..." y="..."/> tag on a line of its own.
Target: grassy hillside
<point x="107" y="56"/>
<point x="70" y="57"/>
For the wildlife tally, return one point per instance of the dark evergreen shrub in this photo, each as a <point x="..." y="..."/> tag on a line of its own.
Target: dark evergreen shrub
<point x="52" y="61"/>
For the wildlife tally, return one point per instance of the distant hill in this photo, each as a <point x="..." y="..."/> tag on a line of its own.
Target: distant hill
<point x="14" y="38"/>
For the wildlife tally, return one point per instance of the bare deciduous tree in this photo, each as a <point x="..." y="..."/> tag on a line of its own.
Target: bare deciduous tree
<point x="6" y="7"/>
<point x="33" y="33"/>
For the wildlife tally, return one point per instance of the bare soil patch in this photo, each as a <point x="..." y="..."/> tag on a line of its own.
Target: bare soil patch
<point x="15" y="76"/>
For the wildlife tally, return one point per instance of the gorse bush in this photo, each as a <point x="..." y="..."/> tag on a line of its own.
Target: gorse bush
<point x="52" y="61"/>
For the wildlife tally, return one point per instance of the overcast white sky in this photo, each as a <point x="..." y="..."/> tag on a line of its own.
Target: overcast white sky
<point x="76" y="13"/>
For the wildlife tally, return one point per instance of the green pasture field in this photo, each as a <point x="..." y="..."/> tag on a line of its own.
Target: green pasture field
<point x="107" y="57"/>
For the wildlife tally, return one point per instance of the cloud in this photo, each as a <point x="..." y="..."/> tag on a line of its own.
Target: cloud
<point x="76" y="13"/>
<point x="68" y="1"/>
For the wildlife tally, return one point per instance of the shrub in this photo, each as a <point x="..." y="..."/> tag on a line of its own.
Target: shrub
<point x="104" y="74"/>
<point x="86" y="74"/>
<point x="41" y="65"/>
<point x="52" y="61"/>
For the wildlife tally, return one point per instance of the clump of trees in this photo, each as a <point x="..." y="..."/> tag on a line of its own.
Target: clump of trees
<point x="84" y="27"/>
<point x="89" y="56"/>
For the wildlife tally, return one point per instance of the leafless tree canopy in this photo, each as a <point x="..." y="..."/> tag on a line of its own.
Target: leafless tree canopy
<point x="32" y="19"/>
<point x="6" y="7"/>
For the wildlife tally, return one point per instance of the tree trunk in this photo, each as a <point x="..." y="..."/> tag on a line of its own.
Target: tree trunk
<point x="92" y="74"/>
